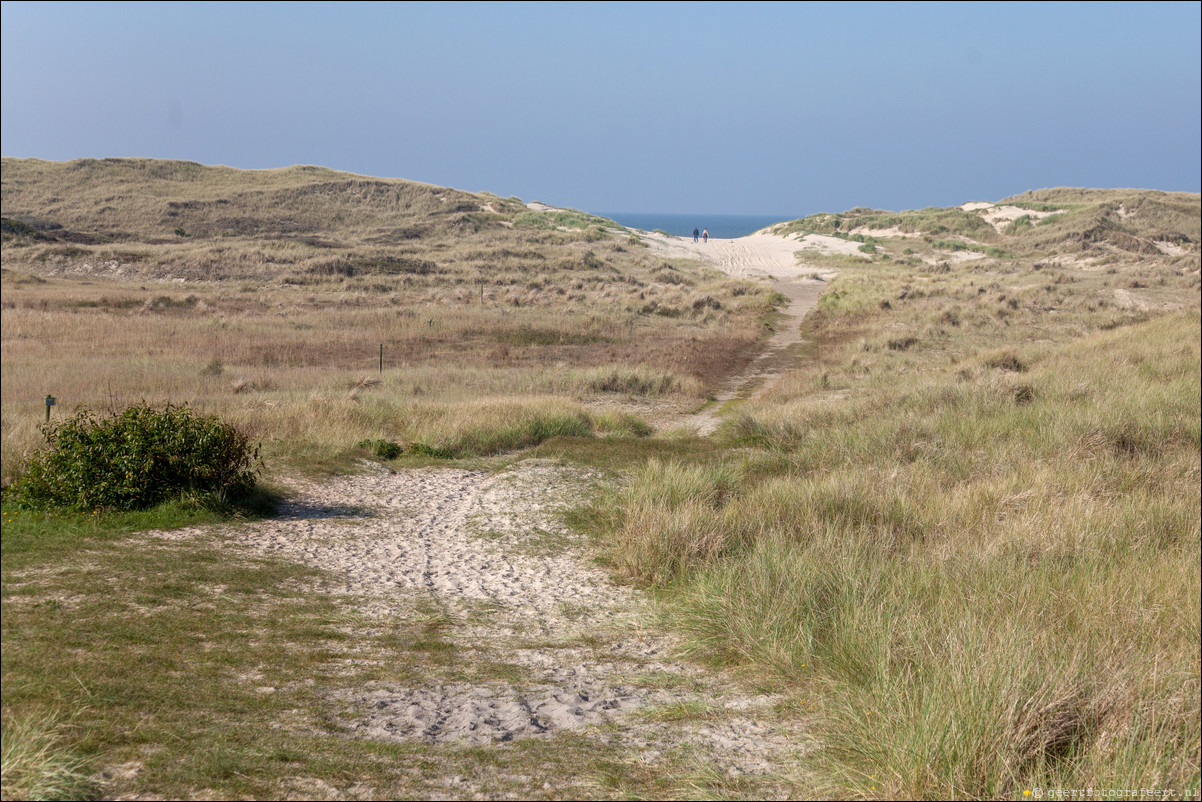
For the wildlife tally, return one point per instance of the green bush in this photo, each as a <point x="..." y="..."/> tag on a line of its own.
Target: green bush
<point x="136" y="459"/>
<point x="384" y="449"/>
<point x="425" y="450"/>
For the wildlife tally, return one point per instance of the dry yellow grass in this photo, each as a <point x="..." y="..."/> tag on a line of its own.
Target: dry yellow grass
<point x="278" y="325"/>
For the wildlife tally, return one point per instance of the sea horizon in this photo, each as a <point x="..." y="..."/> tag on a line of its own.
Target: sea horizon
<point x="721" y="226"/>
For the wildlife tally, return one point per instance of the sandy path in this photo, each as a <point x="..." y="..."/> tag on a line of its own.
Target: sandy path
<point x="758" y="256"/>
<point x="490" y="553"/>
<point x="512" y="587"/>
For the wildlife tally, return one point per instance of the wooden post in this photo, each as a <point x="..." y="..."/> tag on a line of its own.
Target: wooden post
<point x="50" y="401"/>
<point x="381" y="359"/>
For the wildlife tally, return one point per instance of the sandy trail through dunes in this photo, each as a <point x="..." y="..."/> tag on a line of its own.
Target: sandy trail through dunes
<point x="490" y="554"/>
<point x="758" y="256"/>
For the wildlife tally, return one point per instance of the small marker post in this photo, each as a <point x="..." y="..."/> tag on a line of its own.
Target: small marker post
<point x="50" y="401"/>
<point x="381" y="359"/>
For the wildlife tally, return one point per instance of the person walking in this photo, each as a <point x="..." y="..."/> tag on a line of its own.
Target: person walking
<point x="695" y="233"/>
<point x="705" y="235"/>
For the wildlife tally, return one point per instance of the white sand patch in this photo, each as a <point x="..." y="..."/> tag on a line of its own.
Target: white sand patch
<point x="1171" y="248"/>
<point x="822" y="243"/>
<point x="1001" y="216"/>
<point x="1126" y="300"/>
<point x="954" y="257"/>
<point x="535" y="206"/>
<point x="886" y="233"/>
<point x="973" y="206"/>
<point x="389" y="535"/>
<point x="758" y="255"/>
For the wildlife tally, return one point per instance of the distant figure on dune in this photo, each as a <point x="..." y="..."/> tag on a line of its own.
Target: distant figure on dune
<point x="695" y="233"/>
<point x="705" y="235"/>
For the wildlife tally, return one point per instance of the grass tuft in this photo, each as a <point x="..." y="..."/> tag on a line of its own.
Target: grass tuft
<point x="38" y="762"/>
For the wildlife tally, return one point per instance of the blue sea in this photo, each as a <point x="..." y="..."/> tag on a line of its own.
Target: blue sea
<point x="722" y="226"/>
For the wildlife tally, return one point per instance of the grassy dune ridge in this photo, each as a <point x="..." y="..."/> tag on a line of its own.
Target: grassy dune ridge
<point x="967" y="531"/>
<point x="962" y="537"/>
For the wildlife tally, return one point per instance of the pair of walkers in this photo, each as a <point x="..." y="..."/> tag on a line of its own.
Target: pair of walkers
<point x="705" y="235"/>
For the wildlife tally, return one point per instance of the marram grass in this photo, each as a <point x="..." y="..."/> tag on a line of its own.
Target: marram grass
<point x="986" y="594"/>
<point x="38" y="765"/>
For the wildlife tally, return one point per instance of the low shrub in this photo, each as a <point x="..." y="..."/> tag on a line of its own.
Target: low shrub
<point x="384" y="449"/>
<point x="621" y="424"/>
<point x="638" y="381"/>
<point x="387" y="449"/>
<point x="137" y="458"/>
<point x="524" y="430"/>
<point x="1006" y="360"/>
<point x="425" y="450"/>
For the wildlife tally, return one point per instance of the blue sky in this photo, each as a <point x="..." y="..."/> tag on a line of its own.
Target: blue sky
<point x="724" y="108"/>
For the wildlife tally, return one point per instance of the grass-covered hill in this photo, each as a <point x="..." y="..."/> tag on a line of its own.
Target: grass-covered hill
<point x="146" y="200"/>
<point x="1112" y="224"/>
<point x="157" y="218"/>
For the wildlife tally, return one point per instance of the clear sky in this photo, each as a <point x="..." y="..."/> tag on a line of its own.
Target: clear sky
<point x="722" y="108"/>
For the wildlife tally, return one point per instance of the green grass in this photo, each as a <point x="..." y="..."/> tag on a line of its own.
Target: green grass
<point x="39" y="534"/>
<point x="158" y="615"/>
<point x="958" y="245"/>
<point x="112" y="625"/>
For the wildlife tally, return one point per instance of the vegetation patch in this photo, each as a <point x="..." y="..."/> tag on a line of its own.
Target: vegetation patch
<point x="137" y="458"/>
<point x="535" y="336"/>
<point x="384" y="449"/>
<point x="630" y="381"/>
<point x="562" y="218"/>
<point x="931" y="222"/>
<point x="15" y="228"/>
<point x="39" y="763"/>
<point x="1006" y="360"/>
